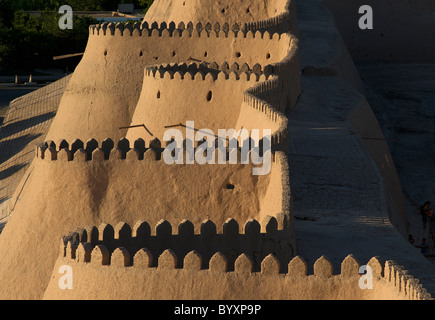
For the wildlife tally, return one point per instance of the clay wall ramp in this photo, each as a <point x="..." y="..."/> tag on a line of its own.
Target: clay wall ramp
<point x="261" y="111"/>
<point x="217" y="11"/>
<point x="61" y="195"/>
<point x="367" y="126"/>
<point x="104" y="90"/>
<point x="27" y="123"/>
<point x="327" y="56"/>
<point x="256" y="119"/>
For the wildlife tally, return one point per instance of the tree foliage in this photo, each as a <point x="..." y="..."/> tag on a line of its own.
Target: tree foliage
<point x="33" y="41"/>
<point x="29" y="41"/>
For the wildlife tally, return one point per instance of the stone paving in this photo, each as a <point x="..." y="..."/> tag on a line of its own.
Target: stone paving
<point x="26" y="124"/>
<point x="337" y="190"/>
<point x="403" y="99"/>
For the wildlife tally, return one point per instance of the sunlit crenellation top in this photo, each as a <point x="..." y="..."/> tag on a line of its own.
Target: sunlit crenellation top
<point x="217" y="11"/>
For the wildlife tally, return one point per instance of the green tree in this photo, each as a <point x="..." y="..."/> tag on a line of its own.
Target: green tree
<point x="86" y="5"/>
<point x="145" y="4"/>
<point x="34" y="40"/>
<point x="6" y="13"/>
<point x="30" y="41"/>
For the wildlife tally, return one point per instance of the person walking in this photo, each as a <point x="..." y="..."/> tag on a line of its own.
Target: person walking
<point x="426" y="213"/>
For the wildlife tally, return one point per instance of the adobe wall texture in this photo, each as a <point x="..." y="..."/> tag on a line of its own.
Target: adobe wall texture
<point x="111" y="73"/>
<point x="60" y="195"/>
<point x="27" y="122"/>
<point x="171" y="97"/>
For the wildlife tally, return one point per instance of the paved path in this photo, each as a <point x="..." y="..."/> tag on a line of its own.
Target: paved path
<point x="403" y="99"/>
<point x="11" y="92"/>
<point x="337" y="189"/>
<point x="25" y="125"/>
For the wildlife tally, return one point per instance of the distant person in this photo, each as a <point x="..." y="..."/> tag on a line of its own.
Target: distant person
<point x="411" y="239"/>
<point x="426" y="213"/>
<point x="424" y="247"/>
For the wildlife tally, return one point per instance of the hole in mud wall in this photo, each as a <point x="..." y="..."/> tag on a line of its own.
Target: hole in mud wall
<point x="231" y="186"/>
<point x="173" y="53"/>
<point x="209" y="96"/>
<point x="158" y="94"/>
<point x="223" y="10"/>
<point x="205" y="54"/>
<point x="141" y="53"/>
<point x="268" y="56"/>
<point x="105" y="52"/>
<point x="248" y="11"/>
<point x="238" y="54"/>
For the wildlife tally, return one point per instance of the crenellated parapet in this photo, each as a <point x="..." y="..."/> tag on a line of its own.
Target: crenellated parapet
<point x="264" y="98"/>
<point x="183" y="30"/>
<point x="200" y="65"/>
<point x="106" y="150"/>
<point x="242" y="269"/>
<point x="214" y="71"/>
<point x="103" y="245"/>
<point x="99" y="151"/>
<point x="406" y="284"/>
<point x="78" y="152"/>
<point x="282" y="23"/>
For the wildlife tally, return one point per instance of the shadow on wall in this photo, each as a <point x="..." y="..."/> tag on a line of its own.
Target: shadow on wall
<point x="10" y="129"/>
<point x="10" y="171"/>
<point x="394" y="22"/>
<point x="11" y="147"/>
